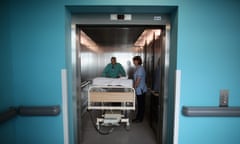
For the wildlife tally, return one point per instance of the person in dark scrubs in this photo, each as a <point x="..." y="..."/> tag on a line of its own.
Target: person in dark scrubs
<point x="139" y="84"/>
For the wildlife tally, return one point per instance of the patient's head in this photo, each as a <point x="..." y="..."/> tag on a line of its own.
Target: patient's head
<point x="113" y="60"/>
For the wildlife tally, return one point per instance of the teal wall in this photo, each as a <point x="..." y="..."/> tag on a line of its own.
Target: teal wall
<point x="37" y="41"/>
<point x="171" y="74"/>
<point x="6" y="97"/>
<point x="33" y="42"/>
<point x="72" y="110"/>
<point x="208" y="55"/>
<point x="7" y="130"/>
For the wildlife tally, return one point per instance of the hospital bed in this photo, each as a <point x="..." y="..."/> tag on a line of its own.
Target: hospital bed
<point x="104" y="92"/>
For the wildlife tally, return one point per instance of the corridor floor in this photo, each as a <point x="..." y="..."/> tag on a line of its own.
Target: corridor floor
<point x="139" y="133"/>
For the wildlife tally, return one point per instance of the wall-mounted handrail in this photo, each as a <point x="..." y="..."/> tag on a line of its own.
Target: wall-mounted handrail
<point x="7" y="115"/>
<point x="85" y="83"/>
<point x="201" y="111"/>
<point x="29" y="111"/>
<point x="39" y="110"/>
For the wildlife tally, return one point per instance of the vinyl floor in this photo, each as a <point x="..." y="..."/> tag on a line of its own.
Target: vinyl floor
<point x="139" y="133"/>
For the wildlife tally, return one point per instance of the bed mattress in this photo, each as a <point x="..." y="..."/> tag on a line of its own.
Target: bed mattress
<point x="103" y="81"/>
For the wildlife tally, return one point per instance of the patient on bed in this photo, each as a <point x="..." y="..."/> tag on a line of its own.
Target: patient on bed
<point x="113" y="69"/>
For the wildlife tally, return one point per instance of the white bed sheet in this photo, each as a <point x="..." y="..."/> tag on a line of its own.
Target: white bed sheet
<point x="103" y="81"/>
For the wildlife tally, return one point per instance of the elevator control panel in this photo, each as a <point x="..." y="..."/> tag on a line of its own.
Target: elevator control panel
<point x="223" y="100"/>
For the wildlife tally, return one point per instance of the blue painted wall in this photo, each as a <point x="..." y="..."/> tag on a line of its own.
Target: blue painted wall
<point x="37" y="41"/>
<point x="7" y="130"/>
<point x="207" y="54"/>
<point x="6" y="97"/>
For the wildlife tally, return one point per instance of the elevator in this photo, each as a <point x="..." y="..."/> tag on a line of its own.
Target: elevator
<point x="95" y="39"/>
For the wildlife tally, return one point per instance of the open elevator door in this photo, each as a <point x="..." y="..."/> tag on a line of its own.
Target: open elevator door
<point x="148" y="53"/>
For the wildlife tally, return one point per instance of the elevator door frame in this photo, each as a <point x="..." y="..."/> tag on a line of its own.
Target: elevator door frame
<point x="102" y="19"/>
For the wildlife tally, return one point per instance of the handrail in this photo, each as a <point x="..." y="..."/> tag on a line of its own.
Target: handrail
<point x="39" y="110"/>
<point x="7" y="115"/>
<point x="29" y="111"/>
<point x="85" y="83"/>
<point x="210" y="111"/>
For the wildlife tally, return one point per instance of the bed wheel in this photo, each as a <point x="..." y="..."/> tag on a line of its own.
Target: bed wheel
<point x="98" y="127"/>
<point x="127" y="127"/>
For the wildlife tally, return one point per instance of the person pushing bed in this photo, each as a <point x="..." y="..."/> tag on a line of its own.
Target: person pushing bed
<point x="113" y="69"/>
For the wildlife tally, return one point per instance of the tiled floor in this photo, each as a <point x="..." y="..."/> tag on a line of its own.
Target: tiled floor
<point x="139" y="133"/>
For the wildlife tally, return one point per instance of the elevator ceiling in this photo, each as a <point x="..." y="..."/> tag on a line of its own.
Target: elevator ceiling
<point x="114" y="36"/>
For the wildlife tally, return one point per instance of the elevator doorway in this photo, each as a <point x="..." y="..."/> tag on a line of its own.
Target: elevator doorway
<point x="155" y="55"/>
<point x="97" y="45"/>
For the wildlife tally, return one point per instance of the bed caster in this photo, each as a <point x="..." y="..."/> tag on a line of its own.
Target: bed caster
<point x="98" y="127"/>
<point x="127" y="127"/>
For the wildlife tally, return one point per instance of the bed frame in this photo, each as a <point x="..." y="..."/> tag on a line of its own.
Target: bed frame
<point x="103" y="97"/>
